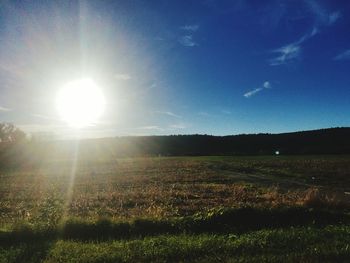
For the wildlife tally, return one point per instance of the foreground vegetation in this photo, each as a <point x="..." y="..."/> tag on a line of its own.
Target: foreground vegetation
<point x="302" y="244"/>
<point x="277" y="208"/>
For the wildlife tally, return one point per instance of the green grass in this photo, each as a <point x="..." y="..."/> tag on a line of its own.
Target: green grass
<point x="303" y="244"/>
<point x="243" y="234"/>
<point x="220" y="221"/>
<point x="248" y="209"/>
<point x="33" y="252"/>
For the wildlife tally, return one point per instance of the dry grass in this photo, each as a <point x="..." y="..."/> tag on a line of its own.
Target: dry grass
<point x="141" y="187"/>
<point x="320" y="198"/>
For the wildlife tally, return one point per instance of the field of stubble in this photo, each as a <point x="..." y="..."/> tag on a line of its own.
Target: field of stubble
<point x="177" y="209"/>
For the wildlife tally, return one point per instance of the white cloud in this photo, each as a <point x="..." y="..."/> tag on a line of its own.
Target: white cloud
<point x="252" y="92"/>
<point x="169" y="113"/>
<point x="343" y="56"/>
<point x="205" y="114"/>
<point x="122" y="76"/>
<point x="266" y="85"/>
<point x="314" y="31"/>
<point x="159" y="38"/>
<point x="41" y="116"/>
<point x="292" y="52"/>
<point x="5" y="109"/>
<point x="153" y="85"/>
<point x="151" y="127"/>
<point x="286" y="54"/>
<point x="322" y="16"/>
<point x="41" y="127"/>
<point x="177" y="126"/>
<point x="333" y="17"/>
<point x="191" y="28"/>
<point x="226" y="112"/>
<point x="187" y="41"/>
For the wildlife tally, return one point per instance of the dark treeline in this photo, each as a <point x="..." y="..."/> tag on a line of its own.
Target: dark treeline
<point x="33" y="153"/>
<point x="325" y="141"/>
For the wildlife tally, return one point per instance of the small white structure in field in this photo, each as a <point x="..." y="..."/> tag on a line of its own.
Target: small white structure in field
<point x="277" y="152"/>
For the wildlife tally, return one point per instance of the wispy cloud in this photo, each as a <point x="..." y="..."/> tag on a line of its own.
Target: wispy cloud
<point x="153" y="85"/>
<point x="33" y="128"/>
<point x="41" y="116"/>
<point x="191" y="28"/>
<point x="151" y="127"/>
<point x="177" y="126"/>
<point x="204" y="114"/>
<point x="5" y="109"/>
<point x="122" y="76"/>
<point x="314" y="31"/>
<point x="266" y="85"/>
<point x="155" y="128"/>
<point x="227" y="112"/>
<point x="333" y="17"/>
<point x="187" y="41"/>
<point x="292" y="51"/>
<point x="252" y="92"/>
<point x="158" y="38"/>
<point x="322" y="16"/>
<point x="343" y="56"/>
<point x="169" y="113"/>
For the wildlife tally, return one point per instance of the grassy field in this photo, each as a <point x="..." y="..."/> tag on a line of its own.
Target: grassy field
<point x="235" y="209"/>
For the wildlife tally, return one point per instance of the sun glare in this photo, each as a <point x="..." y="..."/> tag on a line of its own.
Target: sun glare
<point x="80" y="102"/>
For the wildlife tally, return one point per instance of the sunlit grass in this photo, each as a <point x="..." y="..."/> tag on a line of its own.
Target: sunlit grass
<point x="176" y="209"/>
<point x="166" y="187"/>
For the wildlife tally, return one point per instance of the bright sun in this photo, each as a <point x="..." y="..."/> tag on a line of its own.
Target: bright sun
<point x="80" y="102"/>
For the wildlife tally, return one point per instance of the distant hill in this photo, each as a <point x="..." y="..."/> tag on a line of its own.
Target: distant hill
<point x="324" y="141"/>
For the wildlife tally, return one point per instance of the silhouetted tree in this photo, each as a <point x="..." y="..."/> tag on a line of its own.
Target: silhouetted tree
<point x="9" y="133"/>
<point x="12" y="146"/>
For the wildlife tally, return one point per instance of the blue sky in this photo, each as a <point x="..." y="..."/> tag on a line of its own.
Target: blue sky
<point x="179" y="67"/>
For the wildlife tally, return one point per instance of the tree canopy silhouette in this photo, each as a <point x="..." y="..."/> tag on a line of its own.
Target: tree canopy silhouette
<point x="9" y="133"/>
<point x="12" y="146"/>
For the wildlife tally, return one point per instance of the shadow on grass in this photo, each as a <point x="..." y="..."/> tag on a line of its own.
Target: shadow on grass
<point x="29" y="252"/>
<point x="214" y="221"/>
